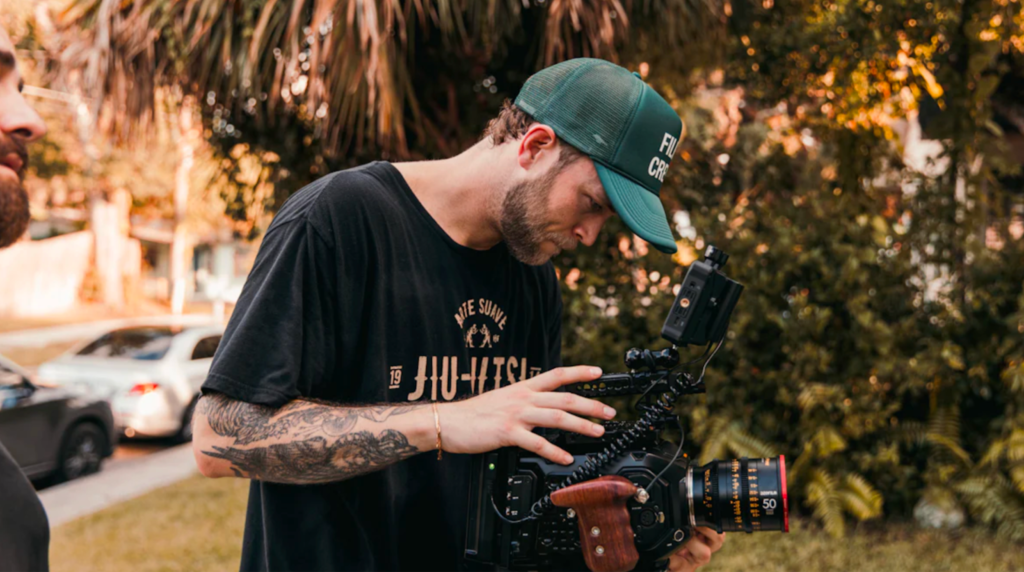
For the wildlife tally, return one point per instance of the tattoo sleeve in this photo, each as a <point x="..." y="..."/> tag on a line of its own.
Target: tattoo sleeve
<point x="305" y="441"/>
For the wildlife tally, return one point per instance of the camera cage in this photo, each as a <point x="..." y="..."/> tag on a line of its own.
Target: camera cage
<point x="699" y="316"/>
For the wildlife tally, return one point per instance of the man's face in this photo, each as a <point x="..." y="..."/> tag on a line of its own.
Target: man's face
<point x="554" y="212"/>
<point x="19" y="125"/>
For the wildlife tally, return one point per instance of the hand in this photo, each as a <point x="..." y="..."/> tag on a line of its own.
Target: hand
<point x="697" y="551"/>
<point x="505" y="417"/>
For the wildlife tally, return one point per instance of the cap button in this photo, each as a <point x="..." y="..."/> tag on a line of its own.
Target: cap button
<point x="637" y="74"/>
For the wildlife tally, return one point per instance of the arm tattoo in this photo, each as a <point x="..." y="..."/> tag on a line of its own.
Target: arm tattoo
<point x="317" y="461"/>
<point x="323" y="447"/>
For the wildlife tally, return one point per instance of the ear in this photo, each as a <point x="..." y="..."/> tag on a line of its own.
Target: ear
<point x="539" y="139"/>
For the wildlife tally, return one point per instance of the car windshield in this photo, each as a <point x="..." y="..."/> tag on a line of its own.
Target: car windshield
<point x="132" y="343"/>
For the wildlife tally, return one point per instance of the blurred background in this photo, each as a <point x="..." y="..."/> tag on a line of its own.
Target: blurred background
<point x="860" y="161"/>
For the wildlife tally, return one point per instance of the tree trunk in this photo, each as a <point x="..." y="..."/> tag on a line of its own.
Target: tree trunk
<point x="179" y="242"/>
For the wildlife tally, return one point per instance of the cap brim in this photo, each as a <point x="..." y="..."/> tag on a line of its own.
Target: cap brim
<point x="641" y="209"/>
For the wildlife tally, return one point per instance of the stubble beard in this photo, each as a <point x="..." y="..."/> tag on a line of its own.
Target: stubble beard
<point x="522" y="222"/>
<point x="14" y="212"/>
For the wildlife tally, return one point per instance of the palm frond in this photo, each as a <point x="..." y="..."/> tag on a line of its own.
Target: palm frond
<point x="343" y="66"/>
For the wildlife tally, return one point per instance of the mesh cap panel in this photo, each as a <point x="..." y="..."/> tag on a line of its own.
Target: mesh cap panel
<point x="538" y="90"/>
<point x="592" y="114"/>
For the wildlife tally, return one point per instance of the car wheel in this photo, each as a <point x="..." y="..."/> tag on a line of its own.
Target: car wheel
<point x="82" y="452"/>
<point x="185" y="433"/>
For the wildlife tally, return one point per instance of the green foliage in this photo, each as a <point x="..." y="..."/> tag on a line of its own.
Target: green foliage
<point x="879" y="343"/>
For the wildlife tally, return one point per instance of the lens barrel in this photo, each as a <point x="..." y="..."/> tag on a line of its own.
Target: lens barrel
<point x="739" y="495"/>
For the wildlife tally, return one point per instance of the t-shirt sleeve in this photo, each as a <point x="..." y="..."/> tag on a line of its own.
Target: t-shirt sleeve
<point x="280" y="341"/>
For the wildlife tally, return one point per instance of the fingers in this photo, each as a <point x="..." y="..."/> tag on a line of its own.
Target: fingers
<point x="552" y="380"/>
<point x="710" y="537"/>
<point x="558" y="419"/>
<point x="697" y="550"/>
<point x="541" y="446"/>
<point x="697" y="553"/>
<point x="573" y="404"/>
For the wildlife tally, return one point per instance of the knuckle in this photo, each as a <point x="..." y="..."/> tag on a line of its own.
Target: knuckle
<point x="568" y="400"/>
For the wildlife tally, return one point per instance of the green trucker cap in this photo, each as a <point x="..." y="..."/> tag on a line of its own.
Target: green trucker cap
<point x="622" y="124"/>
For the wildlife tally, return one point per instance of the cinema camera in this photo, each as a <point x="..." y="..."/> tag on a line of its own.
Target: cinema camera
<point x="628" y="501"/>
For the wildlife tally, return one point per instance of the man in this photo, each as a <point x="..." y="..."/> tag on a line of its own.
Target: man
<point x="24" y="530"/>
<point x="352" y="349"/>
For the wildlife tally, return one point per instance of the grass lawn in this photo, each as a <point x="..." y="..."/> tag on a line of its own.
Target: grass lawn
<point x="192" y="526"/>
<point x="31" y="357"/>
<point x="196" y="525"/>
<point x="893" y="548"/>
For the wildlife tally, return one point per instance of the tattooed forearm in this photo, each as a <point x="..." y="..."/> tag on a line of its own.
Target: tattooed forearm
<point x="305" y="441"/>
<point x="317" y="461"/>
<point x="248" y="423"/>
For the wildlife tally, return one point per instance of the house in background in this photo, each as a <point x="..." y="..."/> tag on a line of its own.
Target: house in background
<point x="219" y="264"/>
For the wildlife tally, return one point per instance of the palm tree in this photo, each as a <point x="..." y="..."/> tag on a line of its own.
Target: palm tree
<point x="357" y="74"/>
<point x="356" y="77"/>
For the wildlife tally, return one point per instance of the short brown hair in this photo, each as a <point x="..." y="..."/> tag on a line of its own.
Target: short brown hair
<point x="512" y="123"/>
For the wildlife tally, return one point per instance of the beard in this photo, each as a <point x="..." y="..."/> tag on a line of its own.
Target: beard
<point x="522" y="222"/>
<point x="14" y="212"/>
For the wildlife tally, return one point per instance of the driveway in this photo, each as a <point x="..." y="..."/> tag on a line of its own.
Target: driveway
<point x="117" y="482"/>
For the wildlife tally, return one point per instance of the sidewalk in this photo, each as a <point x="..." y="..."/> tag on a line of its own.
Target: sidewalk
<point x="125" y="480"/>
<point x="39" y="337"/>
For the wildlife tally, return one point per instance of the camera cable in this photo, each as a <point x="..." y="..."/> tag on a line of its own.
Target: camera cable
<point x="591" y="467"/>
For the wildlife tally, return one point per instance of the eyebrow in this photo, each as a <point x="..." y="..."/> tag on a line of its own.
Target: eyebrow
<point x="9" y="64"/>
<point x="601" y="196"/>
<point x="6" y="59"/>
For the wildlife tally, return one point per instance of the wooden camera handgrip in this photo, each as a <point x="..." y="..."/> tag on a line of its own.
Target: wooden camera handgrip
<point x="605" y="532"/>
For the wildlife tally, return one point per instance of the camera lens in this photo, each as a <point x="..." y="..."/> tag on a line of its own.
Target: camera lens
<point x="739" y="494"/>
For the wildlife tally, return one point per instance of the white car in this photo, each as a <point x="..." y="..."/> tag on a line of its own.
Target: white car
<point x="150" y="374"/>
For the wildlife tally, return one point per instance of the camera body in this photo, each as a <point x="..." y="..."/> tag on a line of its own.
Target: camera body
<point x="552" y="541"/>
<point x="513" y="522"/>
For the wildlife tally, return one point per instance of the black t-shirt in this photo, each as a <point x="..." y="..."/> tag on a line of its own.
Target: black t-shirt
<point x="358" y="296"/>
<point x="24" y="529"/>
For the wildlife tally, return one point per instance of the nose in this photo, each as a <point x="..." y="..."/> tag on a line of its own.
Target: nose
<point x="18" y="120"/>
<point x="586" y="232"/>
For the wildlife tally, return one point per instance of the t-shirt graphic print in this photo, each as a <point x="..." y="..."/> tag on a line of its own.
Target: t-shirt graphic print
<point x="358" y="297"/>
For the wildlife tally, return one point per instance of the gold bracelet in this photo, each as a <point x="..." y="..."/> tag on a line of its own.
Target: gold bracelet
<point x="437" y="425"/>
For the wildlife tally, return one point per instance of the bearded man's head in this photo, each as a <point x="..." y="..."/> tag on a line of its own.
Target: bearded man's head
<point x="19" y="125"/>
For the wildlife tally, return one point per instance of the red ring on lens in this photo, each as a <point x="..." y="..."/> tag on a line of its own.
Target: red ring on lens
<point x="785" y="496"/>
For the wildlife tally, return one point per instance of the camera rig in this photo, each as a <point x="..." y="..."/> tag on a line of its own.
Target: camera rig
<point x="627" y="501"/>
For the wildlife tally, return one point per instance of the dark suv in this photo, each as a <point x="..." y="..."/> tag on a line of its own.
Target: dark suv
<point x="53" y="431"/>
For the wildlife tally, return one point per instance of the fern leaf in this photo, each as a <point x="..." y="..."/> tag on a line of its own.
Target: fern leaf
<point x="911" y="433"/>
<point x="746" y="445"/>
<point x="994" y="452"/>
<point x="1017" y="476"/>
<point x="860" y="498"/>
<point x="822" y="496"/>
<point x="945" y="421"/>
<point x="1015" y="446"/>
<point x="949" y="445"/>
<point x="716" y="445"/>
<point x="828" y="441"/>
<point x="815" y="394"/>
